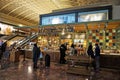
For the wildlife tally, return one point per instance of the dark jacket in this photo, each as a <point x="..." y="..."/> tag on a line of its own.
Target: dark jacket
<point x="3" y="47"/>
<point x="36" y="53"/>
<point x="97" y="51"/>
<point x="63" y="48"/>
<point x="90" y="52"/>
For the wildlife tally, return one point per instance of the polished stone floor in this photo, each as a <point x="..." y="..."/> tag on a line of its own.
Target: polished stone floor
<point x="24" y="71"/>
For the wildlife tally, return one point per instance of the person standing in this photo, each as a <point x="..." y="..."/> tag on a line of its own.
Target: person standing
<point x="36" y="54"/>
<point x="90" y="53"/>
<point x="0" y="52"/>
<point x="72" y="49"/>
<point x="6" y="54"/>
<point x="2" y="48"/>
<point x="63" y="49"/>
<point x="97" y="57"/>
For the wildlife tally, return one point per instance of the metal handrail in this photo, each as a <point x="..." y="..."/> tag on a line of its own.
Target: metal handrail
<point x="26" y="40"/>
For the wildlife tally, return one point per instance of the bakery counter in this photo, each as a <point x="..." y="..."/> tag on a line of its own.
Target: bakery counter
<point x="107" y="60"/>
<point x="110" y="60"/>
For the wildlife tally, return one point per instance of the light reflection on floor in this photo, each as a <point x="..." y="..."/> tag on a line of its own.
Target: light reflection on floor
<point x="24" y="71"/>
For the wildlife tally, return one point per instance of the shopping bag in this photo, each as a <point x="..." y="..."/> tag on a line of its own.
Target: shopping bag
<point x="41" y="55"/>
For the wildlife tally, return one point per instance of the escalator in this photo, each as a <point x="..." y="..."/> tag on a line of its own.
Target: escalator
<point x="1" y="35"/>
<point x="26" y="40"/>
<point x="7" y="37"/>
<point x="15" y="39"/>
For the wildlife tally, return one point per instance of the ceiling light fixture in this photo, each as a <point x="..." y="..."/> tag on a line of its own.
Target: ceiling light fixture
<point x="20" y="25"/>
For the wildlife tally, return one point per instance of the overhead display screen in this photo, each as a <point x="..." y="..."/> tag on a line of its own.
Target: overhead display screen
<point x="59" y="19"/>
<point x="93" y="16"/>
<point x="99" y="13"/>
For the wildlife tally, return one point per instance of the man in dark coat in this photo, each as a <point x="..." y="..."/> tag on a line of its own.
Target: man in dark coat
<point x="36" y="54"/>
<point x="63" y="49"/>
<point x="97" y="57"/>
<point x="90" y="52"/>
<point x="2" y="48"/>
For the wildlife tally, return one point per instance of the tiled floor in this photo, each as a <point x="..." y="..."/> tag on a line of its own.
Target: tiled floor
<point x="24" y="71"/>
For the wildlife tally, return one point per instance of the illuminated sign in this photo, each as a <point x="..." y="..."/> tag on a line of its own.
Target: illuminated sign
<point x="59" y="19"/>
<point x="93" y="16"/>
<point x="77" y="15"/>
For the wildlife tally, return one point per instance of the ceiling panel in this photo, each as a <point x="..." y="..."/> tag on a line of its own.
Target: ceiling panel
<point x="28" y="11"/>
